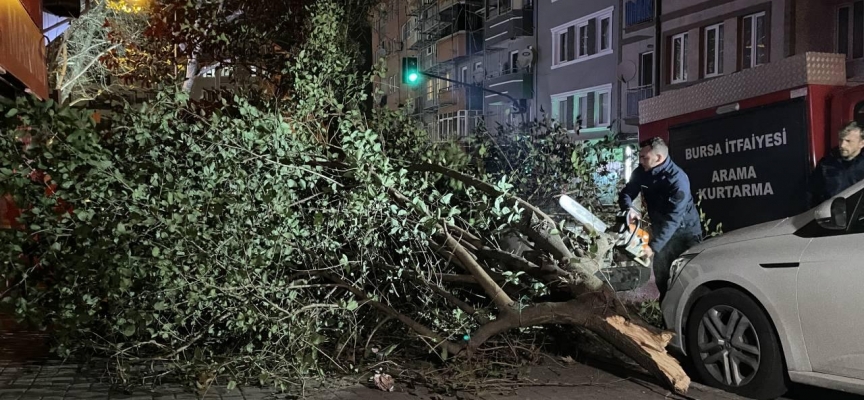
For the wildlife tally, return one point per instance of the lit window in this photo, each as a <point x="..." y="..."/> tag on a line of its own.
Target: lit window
<point x="569" y="107"/>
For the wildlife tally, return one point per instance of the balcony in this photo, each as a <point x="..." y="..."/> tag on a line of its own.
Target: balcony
<point x="509" y="23"/>
<point x="460" y="97"/>
<point x="457" y="45"/>
<point x="634" y="96"/>
<point x="638" y="11"/>
<point x="515" y="83"/>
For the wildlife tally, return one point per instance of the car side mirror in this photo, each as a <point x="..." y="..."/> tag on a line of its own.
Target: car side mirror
<point x="838" y="213"/>
<point x="832" y="214"/>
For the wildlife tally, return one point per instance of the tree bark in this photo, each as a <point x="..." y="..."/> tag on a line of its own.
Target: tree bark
<point x="644" y="345"/>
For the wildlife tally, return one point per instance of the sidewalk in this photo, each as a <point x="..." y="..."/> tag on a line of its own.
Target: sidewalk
<point x="28" y="372"/>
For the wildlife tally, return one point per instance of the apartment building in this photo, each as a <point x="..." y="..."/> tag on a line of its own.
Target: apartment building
<point x="577" y="63"/>
<point x="637" y="69"/>
<point x="446" y="37"/>
<point x="509" y="63"/>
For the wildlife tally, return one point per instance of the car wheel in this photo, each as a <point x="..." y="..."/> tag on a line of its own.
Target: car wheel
<point x="732" y="344"/>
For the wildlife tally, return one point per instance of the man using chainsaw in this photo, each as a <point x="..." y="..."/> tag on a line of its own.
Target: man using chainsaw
<point x="665" y="190"/>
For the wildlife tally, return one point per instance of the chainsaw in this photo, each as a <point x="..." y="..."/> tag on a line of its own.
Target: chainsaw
<point x="627" y="267"/>
<point x="632" y="239"/>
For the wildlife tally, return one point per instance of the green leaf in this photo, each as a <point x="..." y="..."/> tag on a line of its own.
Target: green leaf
<point x="11" y="113"/>
<point x="156" y="252"/>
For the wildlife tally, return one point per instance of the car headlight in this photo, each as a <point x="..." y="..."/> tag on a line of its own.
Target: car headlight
<point x="678" y="265"/>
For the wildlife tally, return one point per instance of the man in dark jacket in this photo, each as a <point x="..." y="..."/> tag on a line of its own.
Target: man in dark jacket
<point x="665" y="190"/>
<point x="842" y="168"/>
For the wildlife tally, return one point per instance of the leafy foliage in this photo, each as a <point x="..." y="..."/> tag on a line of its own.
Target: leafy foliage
<point x="258" y="242"/>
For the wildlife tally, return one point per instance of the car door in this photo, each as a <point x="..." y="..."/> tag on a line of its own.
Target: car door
<point x="830" y="296"/>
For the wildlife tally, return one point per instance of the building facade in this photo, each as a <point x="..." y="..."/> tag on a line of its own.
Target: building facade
<point x="577" y="64"/>
<point x="446" y="37"/>
<point x="637" y="70"/>
<point x="509" y="60"/>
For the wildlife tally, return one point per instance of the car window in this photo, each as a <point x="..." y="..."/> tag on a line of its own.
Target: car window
<point x="854" y="203"/>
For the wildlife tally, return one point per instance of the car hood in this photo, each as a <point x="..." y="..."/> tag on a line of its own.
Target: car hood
<point x="779" y="227"/>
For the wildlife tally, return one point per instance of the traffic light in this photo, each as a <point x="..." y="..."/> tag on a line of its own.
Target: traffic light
<point x="410" y="72"/>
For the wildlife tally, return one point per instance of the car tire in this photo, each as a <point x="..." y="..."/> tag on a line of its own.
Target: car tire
<point x="731" y="362"/>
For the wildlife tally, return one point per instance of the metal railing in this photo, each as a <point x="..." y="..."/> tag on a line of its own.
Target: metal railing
<point x="635" y="95"/>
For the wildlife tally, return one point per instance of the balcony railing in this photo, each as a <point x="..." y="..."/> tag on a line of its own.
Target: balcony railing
<point x="635" y="95"/>
<point x="638" y="11"/>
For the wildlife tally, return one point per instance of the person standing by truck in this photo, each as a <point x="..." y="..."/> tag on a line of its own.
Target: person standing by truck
<point x="665" y="190"/>
<point x="841" y="168"/>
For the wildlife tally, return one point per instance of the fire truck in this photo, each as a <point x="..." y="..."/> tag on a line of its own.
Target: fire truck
<point x="749" y="140"/>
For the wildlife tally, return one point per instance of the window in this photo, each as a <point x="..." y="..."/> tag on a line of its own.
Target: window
<point x="514" y="59"/>
<point x="850" y="30"/>
<point x="679" y="58"/>
<point x="714" y="50"/>
<point x="464" y="77"/>
<point x="602" y="108"/>
<point x="582" y="39"/>
<point x="582" y="110"/>
<point x="605" y="34"/>
<point x="430" y="50"/>
<point x="225" y="72"/>
<point x="589" y="106"/>
<point x="646" y="69"/>
<point x="498" y="7"/>
<point x="430" y="90"/>
<point x="209" y="73"/>
<point x="392" y="83"/>
<point x="565" y="45"/>
<point x="754" y="40"/>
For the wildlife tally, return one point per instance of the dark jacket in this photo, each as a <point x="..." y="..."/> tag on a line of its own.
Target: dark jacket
<point x="833" y="175"/>
<point x="666" y="194"/>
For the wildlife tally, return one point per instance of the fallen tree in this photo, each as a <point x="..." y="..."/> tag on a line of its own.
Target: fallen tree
<point x="262" y="241"/>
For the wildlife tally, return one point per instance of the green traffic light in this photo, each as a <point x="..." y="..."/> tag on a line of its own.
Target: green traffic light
<point x="410" y="71"/>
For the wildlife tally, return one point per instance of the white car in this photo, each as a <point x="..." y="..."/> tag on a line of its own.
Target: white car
<point x="776" y="302"/>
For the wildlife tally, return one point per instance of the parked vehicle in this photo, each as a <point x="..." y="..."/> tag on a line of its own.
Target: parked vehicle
<point x="781" y="301"/>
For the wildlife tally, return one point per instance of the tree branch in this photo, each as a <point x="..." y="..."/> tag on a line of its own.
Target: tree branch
<point x="466" y="259"/>
<point x="643" y="345"/>
<point x="451" y="347"/>
<point x="470" y="310"/>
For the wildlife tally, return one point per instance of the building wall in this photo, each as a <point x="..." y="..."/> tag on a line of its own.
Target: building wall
<point x="637" y="71"/>
<point x="595" y="71"/>
<point x="692" y="17"/>
<point x="496" y="68"/>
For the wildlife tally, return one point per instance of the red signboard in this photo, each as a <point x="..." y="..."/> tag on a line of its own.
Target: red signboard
<point x="22" y="50"/>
